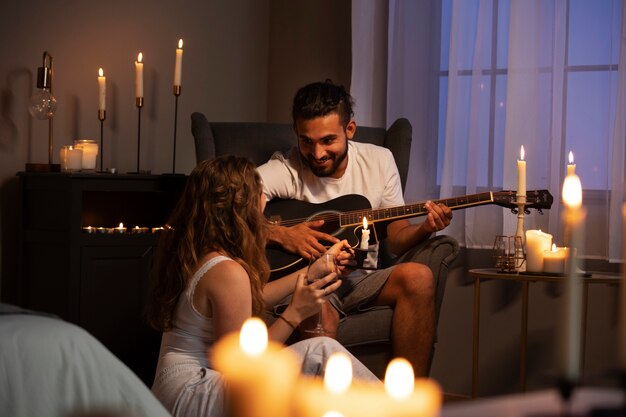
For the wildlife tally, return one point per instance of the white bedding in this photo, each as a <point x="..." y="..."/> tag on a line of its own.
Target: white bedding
<point x="49" y="367"/>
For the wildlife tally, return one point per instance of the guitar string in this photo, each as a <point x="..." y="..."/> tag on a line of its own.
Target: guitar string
<point x="468" y="199"/>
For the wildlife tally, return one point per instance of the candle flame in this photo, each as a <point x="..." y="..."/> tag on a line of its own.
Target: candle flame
<point x="140" y="57"/>
<point x="399" y="379"/>
<point x="338" y="375"/>
<point x="180" y="44"/>
<point x="522" y="153"/>
<point x="332" y="414"/>
<point x="364" y="222"/>
<point x="572" y="191"/>
<point x="121" y="225"/>
<point x="100" y="72"/>
<point x="571" y="157"/>
<point x="253" y="337"/>
<point x="554" y="247"/>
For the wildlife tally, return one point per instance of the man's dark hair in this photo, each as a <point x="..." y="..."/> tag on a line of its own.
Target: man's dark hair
<point x="320" y="99"/>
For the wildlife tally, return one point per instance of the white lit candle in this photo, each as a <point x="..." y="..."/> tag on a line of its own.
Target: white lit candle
<point x="521" y="176"/>
<point x="537" y="242"/>
<point x="554" y="260"/>
<point x="571" y="167"/>
<point x="90" y="153"/>
<point x="574" y="217"/>
<point x="120" y="229"/>
<point x="139" y="76"/>
<point x="178" y="66"/>
<point x="102" y="90"/>
<point x="622" y="305"/>
<point x="260" y="375"/>
<point x="365" y="235"/>
<point x="71" y="158"/>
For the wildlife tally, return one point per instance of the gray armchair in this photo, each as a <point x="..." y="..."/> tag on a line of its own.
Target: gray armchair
<point x="367" y="335"/>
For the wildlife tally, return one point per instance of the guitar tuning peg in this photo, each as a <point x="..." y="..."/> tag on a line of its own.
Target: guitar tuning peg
<point x="540" y="211"/>
<point x="514" y="210"/>
<point x="526" y="211"/>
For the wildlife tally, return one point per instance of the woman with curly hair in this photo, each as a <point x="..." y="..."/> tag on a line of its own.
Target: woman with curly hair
<point x="212" y="275"/>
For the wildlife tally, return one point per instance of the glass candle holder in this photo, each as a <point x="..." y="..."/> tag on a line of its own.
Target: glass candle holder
<point x="70" y="158"/>
<point x="89" y="148"/>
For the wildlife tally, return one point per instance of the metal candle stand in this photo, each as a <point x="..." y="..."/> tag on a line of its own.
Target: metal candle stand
<point x="139" y="104"/>
<point x="102" y="115"/>
<point x="519" y="232"/>
<point x="177" y="89"/>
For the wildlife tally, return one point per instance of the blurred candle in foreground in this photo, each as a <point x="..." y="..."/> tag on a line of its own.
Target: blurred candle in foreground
<point x="574" y="218"/>
<point x="622" y="305"/>
<point x="260" y="375"/>
<point x="407" y="396"/>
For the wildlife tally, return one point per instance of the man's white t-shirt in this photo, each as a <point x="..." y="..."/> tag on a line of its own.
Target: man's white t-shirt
<point x="371" y="172"/>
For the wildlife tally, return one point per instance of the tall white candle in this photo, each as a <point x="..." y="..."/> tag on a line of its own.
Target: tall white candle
<point x="521" y="175"/>
<point x="102" y="90"/>
<point x="574" y="218"/>
<point x="139" y="76"/>
<point x="365" y="236"/>
<point x="622" y="305"/>
<point x="537" y="242"/>
<point x="178" y="66"/>
<point x="571" y="167"/>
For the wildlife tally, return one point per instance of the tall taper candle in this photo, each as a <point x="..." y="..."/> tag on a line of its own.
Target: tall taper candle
<point x="521" y="177"/>
<point x="574" y="220"/>
<point x="139" y="76"/>
<point x="178" y="66"/>
<point x="102" y="90"/>
<point x="571" y="167"/>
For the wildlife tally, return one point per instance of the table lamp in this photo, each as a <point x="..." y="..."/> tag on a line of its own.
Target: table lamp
<point x="42" y="106"/>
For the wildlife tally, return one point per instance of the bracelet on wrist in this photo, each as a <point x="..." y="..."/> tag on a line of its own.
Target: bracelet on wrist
<point x="290" y="324"/>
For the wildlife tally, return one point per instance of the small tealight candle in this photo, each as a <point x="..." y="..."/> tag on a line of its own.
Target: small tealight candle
<point x="365" y="235"/>
<point x="103" y="230"/>
<point x="554" y="260"/>
<point x="89" y="230"/>
<point x="119" y="229"/>
<point x="158" y="229"/>
<point x="139" y="230"/>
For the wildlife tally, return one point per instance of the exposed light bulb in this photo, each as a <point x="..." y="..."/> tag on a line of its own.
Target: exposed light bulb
<point x="42" y="104"/>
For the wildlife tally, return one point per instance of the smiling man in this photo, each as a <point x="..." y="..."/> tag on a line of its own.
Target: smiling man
<point x="327" y="164"/>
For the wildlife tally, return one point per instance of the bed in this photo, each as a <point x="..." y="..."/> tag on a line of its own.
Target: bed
<point x="49" y="367"/>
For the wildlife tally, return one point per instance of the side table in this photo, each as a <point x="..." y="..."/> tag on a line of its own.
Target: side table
<point x="525" y="278"/>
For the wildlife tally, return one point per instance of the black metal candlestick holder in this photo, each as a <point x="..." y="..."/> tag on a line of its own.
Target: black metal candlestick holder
<point x="177" y="89"/>
<point x="139" y="104"/>
<point x="102" y="115"/>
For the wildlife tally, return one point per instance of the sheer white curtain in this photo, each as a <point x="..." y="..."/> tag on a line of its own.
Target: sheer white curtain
<point x="503" y="78"/>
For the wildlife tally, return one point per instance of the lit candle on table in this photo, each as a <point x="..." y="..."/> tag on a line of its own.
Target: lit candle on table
<point x="139" y="76"/>
<point x="554" y="260"/>
<point x="365" y="235"/>
<point x="571" y="167"/>
<point x="120" y="229"/>
<point x="537" y="242"/>
<point x="102" y="90"/>
<point x="260" y="375"/>
<point x="408" y="396"/>
<point x="178" y="66"/>
<point x="521" y="177"/>
<point x="574" y="216"/>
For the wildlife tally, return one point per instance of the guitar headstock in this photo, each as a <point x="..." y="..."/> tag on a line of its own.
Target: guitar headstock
<point x="537" y="199"/>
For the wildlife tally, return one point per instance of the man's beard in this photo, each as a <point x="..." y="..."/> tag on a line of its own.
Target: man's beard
<point x="329" y="171"/>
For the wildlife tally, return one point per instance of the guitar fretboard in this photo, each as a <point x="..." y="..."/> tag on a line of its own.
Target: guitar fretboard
<point x="353" y="218"/>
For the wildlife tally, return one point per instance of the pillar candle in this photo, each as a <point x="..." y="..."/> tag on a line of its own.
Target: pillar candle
<point x="71" y="158"/>
<point x="102" y="90"/>
<point x="260" y="376"/>
<point x="574" y="218"/>
<point x="554" y="260"/>
<point x="365" y="235"/>
<point x="521" y="175"/>
<point x="90" y="153"/>
<point x="537" y="242"/>
<point x="571" y="167"/>
<point x="178" y="66"/>
<point x="622" y="305"/>
<point x="139" y="76"/>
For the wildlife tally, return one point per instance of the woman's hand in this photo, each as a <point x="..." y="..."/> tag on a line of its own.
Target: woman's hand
<point x="308" y="298"/>
<point x="342" y="253"/>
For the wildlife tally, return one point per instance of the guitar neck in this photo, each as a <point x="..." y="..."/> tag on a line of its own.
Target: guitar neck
<point x="355" y="218"/>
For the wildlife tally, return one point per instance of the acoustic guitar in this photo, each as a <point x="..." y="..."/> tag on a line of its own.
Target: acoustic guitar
<point x="343" y="218"/>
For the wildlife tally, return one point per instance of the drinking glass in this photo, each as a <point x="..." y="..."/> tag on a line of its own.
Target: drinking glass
<point x="330" y="265"/>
